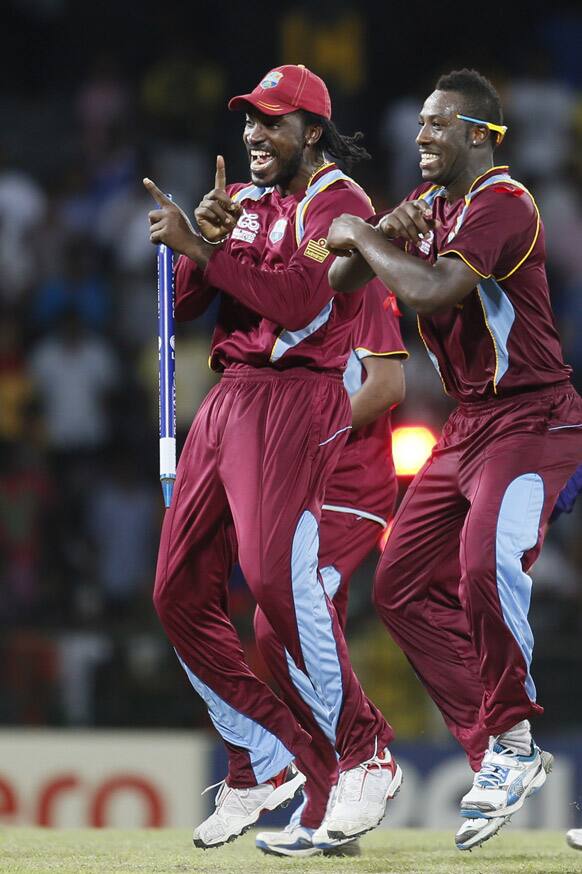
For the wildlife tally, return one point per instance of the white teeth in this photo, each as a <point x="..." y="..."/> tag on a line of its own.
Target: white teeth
<point x="258" y="153"/>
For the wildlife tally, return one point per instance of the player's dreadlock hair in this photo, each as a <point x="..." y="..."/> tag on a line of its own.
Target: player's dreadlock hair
<point x="481" y="98"/>
<point x="346" y="150"/>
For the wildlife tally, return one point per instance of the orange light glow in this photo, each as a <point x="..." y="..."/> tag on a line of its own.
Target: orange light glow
<point x="411" y="446"/>
<point x="385" y="535"/>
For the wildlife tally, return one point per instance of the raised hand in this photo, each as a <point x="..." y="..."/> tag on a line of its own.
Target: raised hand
<point x="411" y="221"/>
<point x="168" y="224"/>
<point x="217" y="214"/>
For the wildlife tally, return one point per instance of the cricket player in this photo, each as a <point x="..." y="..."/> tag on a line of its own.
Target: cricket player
<point x="466" y="251"/>
<point x="359" y="501"/>
<point x="260" y="452"/>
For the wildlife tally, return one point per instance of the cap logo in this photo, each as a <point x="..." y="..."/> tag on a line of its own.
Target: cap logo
<point x="272" y="79"/>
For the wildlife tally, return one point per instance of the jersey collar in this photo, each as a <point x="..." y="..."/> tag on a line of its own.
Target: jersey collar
<point x="321" y="171"/>
<point x="493" y="171"/>
<point x="315" y="177"/>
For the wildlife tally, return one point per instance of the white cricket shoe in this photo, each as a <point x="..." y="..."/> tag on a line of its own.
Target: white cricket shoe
<point x="297" y="840"/>
<point x="504" y="781"/>
<point x="574" y="838"/>
<point x="238" y="809"/>
<point x="360" y="798"/>
<point x="475" y="832"/>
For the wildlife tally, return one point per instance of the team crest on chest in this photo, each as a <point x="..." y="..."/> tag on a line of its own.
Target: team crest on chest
<point x="272" y="79"/>
<point x="247" y="227"/>
<point x="277" y="232"/>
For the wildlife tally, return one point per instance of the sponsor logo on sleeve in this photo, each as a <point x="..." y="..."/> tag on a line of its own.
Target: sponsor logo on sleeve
<point x="316" y="250"/>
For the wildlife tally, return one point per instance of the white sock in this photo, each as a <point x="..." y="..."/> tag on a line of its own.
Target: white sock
<point x="518" y="738"/>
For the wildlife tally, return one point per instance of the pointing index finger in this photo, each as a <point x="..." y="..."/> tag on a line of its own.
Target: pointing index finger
<point x="220" y="178"/>
<point x="159" y="196"/>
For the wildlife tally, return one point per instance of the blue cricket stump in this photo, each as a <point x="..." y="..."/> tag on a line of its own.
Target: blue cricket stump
<point x="167" y="365"/>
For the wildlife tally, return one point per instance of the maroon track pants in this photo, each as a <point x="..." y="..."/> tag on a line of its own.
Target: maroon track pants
<point x="451" y="585"/>
<point x="346" y="540"/>
<point x="258" y="455"/>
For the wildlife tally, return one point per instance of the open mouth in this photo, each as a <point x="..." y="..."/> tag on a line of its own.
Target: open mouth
<point x="428" y="159"/>
<point x="261" y="160"/>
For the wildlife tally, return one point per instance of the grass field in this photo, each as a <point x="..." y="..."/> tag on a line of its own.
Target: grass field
<point x="405" y="851"/>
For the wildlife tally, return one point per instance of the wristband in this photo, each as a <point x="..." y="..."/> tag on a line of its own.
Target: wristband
<point x="214" y="242"/>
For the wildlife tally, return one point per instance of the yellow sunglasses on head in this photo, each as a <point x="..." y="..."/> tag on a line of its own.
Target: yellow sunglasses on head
<point x="500" y="129"/>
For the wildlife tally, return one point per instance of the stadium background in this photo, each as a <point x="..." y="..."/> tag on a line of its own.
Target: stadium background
<point x="93" y="97"/>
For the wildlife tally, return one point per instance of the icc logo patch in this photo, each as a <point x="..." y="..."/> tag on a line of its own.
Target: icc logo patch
<point x="272" y="79"/>
<point x="277" y="232"/>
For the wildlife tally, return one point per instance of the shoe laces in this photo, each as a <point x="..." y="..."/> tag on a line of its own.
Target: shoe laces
<point x="374" y="760"/>
<point x="238" y="797"/>
<point x="493" y="773"/>
<point x="228" y="797"/>
<point x="220" y="783"/>
<point x="349" y="786"/>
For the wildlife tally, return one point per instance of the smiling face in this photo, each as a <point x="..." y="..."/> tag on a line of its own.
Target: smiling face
<point x="446" y="143"/>
<point x="276" y="147"/>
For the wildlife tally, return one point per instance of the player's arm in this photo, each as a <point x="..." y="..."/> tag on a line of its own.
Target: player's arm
<point x="193" y="295"/>
<point x="292" y="297"/>
<point x="405" y="223"/>
<point x="383" y="388"/>
<point x="422" y="286"/>
<point x="349" y="271"/>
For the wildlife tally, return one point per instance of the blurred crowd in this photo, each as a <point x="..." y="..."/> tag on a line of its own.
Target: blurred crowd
<point x="80" y="503"/>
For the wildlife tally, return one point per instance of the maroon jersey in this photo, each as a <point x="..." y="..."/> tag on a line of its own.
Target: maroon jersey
<point x="364" y="477"/>
<point x="502" y="337"/>
<point x="277" y="308"/>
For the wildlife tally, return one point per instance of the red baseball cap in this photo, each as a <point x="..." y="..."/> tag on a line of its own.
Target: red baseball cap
<point x="287" y="89"/>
